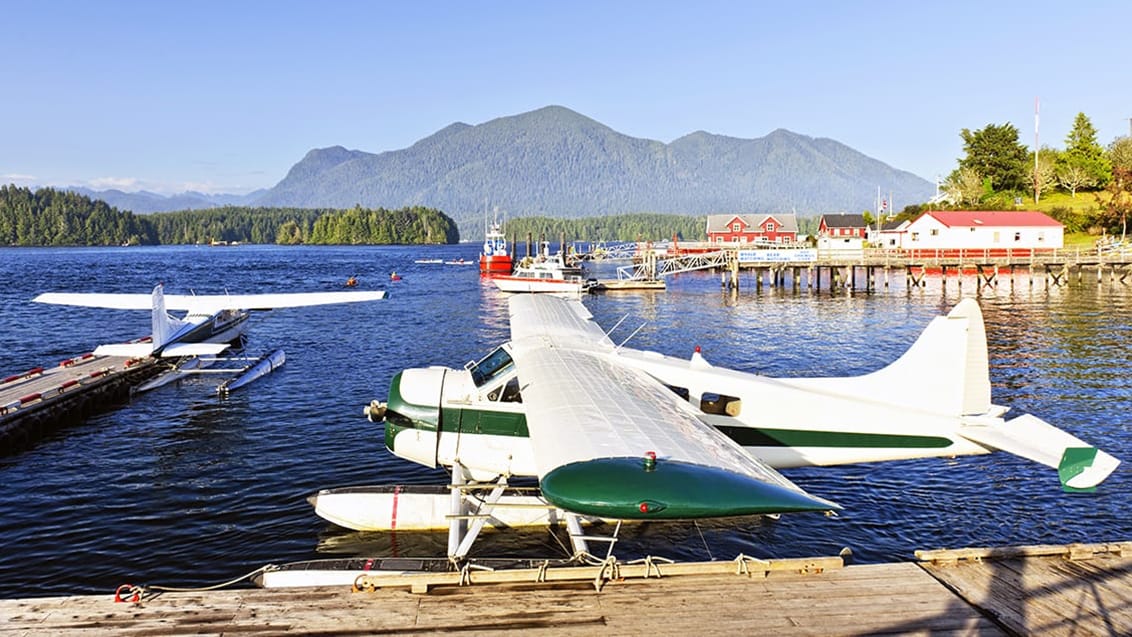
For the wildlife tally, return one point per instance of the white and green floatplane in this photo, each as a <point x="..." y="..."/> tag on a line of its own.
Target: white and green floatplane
<point x="615" y="433"/>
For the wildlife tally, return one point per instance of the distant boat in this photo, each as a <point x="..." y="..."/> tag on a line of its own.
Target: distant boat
<point x="428" y="261"/>
<point x="394" y="277"/>
<point x="495" y="259"/>
<point x="459" y="262"/>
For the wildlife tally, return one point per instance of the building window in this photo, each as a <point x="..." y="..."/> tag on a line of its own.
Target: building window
<point x="995" y="238"/>
<point x="1041" y="236"/>
<point x="915" y="236"/>
<point x="769" y="227"/>
<point x="1017" y="236"/>
<point x="718" y="239"/>
<point x="935" y="232"/>
<point x="736" y="227"/>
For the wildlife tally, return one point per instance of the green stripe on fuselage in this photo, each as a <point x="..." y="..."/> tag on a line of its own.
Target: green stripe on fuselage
<point x="484" y="421"/>
<point x="766" y="437"/>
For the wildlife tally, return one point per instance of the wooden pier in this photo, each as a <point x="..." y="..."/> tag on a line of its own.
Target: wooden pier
<point x="1047" y="590"/>
<point x="871" y="269"/>
<point x="40" y="399"/>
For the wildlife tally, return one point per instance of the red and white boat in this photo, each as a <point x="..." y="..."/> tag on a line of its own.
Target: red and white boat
<point x="544" y="273"/>
<point x="495" y="258"/>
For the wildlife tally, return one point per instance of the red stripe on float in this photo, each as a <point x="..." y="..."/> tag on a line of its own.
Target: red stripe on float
<point x="393" y="518"/>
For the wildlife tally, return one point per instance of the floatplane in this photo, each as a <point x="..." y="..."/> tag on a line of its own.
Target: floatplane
<point x="611" y="434"/>
<point x="211" y="325"/>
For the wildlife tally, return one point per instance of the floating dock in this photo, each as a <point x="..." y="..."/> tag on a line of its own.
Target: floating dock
<point x="615" y="285"/>
<point x="1047" y="590"/>
<point x="40" y="399"/>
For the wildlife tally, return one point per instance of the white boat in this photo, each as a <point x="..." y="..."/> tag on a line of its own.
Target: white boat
<point x="542" y="276"/>
<point x="545" y="273"/>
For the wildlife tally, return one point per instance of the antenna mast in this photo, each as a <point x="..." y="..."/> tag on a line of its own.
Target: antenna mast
<point x="1037" y="149"/>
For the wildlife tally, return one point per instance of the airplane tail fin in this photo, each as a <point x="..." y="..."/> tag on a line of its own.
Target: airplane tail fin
<point x="946" y="370"/>
<point x="164" y="326"/>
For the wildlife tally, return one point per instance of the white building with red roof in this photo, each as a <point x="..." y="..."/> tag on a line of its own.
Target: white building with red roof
<point x="998" y="232"/>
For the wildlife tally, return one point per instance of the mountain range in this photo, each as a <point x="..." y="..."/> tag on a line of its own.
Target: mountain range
<point x="143" y="201"/>
<point x="556" y="162"/>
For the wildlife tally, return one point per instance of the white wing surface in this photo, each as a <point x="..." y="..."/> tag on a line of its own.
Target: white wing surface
<point x="208" y="303"/>
<point x="111" y="301"/>
<point x="596" y="425"/>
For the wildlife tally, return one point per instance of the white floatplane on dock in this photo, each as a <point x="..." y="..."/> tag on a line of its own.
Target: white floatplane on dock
<point x="212" y="324"/>
<point x="620" y="434"/>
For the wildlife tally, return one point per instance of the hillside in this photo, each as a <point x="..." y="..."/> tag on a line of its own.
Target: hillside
<point x="556" y="162"/>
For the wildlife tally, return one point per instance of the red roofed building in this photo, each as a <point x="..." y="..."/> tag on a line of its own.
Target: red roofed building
<point x="997" y="233"/>
<point x="755" y="228"/>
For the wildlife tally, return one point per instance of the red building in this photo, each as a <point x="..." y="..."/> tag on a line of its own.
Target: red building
<point x="762" y="228"/>
<point x="842" y="226"/>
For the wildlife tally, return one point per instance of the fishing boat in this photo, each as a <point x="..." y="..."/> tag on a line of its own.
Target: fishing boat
<point x="545" y="273"/>
<point x="495" y="259"/>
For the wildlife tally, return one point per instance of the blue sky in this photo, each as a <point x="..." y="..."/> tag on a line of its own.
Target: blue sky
<point x="227" y="96"/>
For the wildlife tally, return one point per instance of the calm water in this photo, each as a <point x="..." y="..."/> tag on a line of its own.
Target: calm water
<point x="181" y="488"/>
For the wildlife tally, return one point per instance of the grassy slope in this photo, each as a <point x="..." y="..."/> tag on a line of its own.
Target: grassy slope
<point x="1055" y="199"/>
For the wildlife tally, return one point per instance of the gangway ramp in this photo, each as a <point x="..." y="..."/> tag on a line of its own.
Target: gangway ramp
<point x="652" y="267"/>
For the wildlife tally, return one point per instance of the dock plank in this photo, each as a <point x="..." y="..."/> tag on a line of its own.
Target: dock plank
<point x="842" y="601"/>
<point x="1049" y="595"/>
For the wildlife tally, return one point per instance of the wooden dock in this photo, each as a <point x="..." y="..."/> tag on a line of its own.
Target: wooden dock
<point x="1061" y="590"/>
<point x="40" y="399"/>
<point x="870" y="269"/>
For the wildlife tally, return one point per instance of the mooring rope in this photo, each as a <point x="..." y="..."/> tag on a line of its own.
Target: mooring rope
<point x="128" y="592"/>
<point x="703" y="539"/>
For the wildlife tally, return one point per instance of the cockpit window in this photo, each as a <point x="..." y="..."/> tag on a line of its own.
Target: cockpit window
<point x="490" y="366"/>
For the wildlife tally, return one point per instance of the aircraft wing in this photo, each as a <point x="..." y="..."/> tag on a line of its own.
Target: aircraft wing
<point x="208" y="303"/>
<point x="111" y="301"/>
<point x="593" y="423"/>
<point x="216" y="302"/>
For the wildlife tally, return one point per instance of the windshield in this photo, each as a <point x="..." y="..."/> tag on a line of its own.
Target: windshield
<point x="490" y="366"/>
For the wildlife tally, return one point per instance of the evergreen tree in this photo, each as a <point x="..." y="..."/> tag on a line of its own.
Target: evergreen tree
<point x="996" y="154"/>
<point x="1083" y="164"/>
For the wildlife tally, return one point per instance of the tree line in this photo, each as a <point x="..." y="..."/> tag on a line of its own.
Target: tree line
<point x="629" y="227"/>
<point x="49" y="217"/>
<point x="997" y="171"/>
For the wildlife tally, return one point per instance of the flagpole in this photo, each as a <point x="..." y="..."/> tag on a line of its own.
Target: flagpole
<point x="1037" y="149"/>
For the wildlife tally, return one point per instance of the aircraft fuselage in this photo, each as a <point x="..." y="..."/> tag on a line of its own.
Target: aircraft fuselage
<point x="438" y="416"/>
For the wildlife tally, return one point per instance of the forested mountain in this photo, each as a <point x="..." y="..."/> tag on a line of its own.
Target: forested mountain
<point x="48" y="217"/>
<point x="556" y="162"/>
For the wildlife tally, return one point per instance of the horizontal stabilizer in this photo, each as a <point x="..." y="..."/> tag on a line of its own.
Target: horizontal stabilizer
<point x="129" y="350"/>
<point x="192" y="349"/>
<point x="1079" y="465"/>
